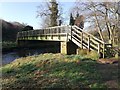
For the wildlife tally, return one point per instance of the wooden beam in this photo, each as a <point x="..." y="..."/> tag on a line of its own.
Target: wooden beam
<point x="89" y="43"/>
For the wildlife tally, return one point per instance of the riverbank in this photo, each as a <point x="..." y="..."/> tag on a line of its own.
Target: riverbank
<point x="8" y="46"/>
<point x="58" y="71"/>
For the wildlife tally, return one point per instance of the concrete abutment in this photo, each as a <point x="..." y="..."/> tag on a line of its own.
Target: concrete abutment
<point x="68" y="48"/>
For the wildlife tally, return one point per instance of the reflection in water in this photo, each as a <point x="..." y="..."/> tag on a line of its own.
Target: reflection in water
<point x="11" y="56"/>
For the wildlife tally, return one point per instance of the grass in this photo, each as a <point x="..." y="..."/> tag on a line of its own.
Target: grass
<point x="58" y="71"/>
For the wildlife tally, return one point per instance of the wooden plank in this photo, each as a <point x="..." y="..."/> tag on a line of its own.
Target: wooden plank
<point x="73" y="33"/>
<point x="94" y="46"/>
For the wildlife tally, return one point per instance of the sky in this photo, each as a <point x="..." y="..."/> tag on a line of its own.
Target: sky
<point x="26" y="12"/>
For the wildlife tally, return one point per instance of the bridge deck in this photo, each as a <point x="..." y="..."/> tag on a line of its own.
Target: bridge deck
<point x="65" y="33"/>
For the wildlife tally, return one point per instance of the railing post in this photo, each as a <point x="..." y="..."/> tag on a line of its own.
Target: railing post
<point x="89" y="42"/>
<point x="103" y="50"/>
<point x="17" y="37"/>
<point x="51" y="33"/>
<point x="99" y="48"/>
<point x="66" y="36"/>
<point x="82" y="40"/>
<point x="71" y="33"/>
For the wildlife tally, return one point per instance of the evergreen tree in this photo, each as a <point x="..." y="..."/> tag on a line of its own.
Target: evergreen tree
<point x="71" y="20"/>
<point x="77" y="15"/>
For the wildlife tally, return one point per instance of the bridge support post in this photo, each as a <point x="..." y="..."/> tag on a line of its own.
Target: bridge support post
<point x="68" y="48"/>
<point x="63" y="48"/>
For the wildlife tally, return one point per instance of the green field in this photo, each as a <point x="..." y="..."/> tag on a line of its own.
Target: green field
<point x="58" y="71"/>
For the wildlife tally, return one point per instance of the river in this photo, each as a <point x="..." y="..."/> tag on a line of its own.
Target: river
<point x="8" y="57"/>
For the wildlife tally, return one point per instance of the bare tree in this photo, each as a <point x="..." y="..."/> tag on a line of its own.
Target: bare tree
<point x="50" y="12"/>
<point x="101" y="15"/>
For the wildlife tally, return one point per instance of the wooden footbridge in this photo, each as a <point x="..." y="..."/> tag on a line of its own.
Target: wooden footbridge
<point x="66" y="35"/>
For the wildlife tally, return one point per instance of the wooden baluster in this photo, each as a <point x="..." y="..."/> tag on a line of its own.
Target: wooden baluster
<point x="30" y="33"/>
<point x="66" y="36"/>
<point x="103" y="50"/>
<point x="27" y="33"/>
<point x="59" y="33"/>
<point x="89" y="42"/>
<point x="51" y="33"/>
<point x="46" y="31"/>
<point x="34" y="33"/>
<point x="82" y="40"/>
<point x="37" y="32"/>
<point x="43" y="31"/>
<point x="99" y="48"/>
<point x="17" y="36"/>
<point x="57" y="30"/>
<point x="71" y="32"/>
<point x="22" y="34"/>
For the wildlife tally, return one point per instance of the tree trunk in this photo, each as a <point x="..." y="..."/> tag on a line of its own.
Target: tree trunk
<point x="98" y="26"/>
<point x="108" y="25"/>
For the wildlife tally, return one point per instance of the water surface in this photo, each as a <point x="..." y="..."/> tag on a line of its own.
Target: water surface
<point x="8" y="57"/>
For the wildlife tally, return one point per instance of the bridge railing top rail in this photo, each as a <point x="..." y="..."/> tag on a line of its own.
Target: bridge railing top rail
<point x="58" y="30"/>
<point x="50" y="30"/>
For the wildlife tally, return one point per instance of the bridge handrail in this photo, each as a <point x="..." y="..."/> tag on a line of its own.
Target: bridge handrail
<point x="50" y="30"/>
<point x="89" y="34"/>
<point x="85" y="38"/>
<point x="74" y="32"/>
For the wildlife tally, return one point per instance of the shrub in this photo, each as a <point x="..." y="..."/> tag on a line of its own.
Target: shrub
<point x="88" y="54"/>
<point x="82" y="52"/>
<point x="113" y="52"/>
<point x="93" y="55"/>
